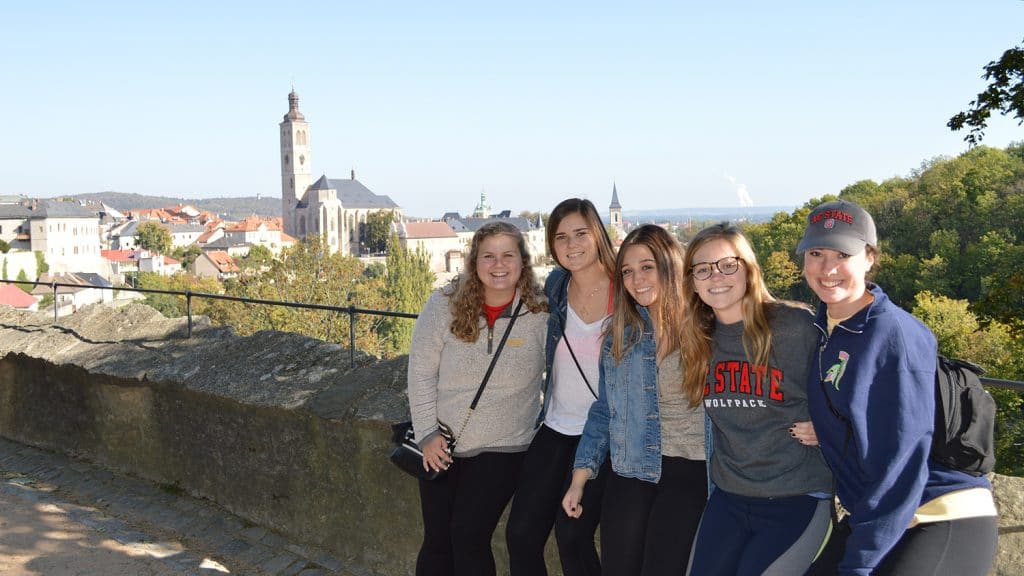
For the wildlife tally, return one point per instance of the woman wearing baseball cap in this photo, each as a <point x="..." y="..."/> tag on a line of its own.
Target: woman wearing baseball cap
<point x="871" y="391"/>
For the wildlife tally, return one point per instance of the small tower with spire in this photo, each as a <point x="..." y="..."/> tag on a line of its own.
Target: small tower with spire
<point x="482" y="210"/>
<point x="615" y="211"/>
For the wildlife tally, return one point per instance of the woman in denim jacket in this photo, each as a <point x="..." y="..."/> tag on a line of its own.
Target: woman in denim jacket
<point x="579" y="295"/>
<point x="652" y="431"/>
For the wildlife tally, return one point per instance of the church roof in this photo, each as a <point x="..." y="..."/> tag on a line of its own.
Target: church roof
<point x="322" y="184"/>
<point x="353" y="194"/>
<point x="615" y="199"/>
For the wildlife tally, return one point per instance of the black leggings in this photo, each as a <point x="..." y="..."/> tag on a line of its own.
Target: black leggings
<point x="962" y="547"/>
<point x="537" y="506"/>
<point x="648" y="529"/>
<point x="461" y="511"/>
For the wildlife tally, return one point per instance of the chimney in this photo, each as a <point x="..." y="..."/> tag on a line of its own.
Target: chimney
<point x="353" y="173"/>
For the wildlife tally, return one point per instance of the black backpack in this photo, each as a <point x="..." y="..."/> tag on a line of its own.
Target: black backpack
<point x="965" y="418"/>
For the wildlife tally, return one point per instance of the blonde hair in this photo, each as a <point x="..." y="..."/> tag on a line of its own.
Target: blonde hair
<point x="699" y="321"/>
<point x="466" y="292"/>
<point x="667" y="312"/>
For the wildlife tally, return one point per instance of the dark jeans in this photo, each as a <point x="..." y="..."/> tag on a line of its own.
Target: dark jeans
<point x="745" y="535"/>
<point x="460" y="512"/>
<point x="647" y="529"/>
<point x="537" y="507"/>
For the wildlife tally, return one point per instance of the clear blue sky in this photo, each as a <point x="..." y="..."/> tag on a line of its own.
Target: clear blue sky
<point x="681" y="104"/>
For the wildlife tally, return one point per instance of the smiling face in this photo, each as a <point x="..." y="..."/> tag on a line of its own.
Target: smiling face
<point x="574" y="244"/>
<point x="499" y="265"/>
<point x="838" y="278"/>
<point x="640" y="274"/>
<point x="723" y="293"/>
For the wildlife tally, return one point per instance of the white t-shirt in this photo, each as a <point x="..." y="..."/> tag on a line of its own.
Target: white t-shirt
<point x="570" y="397"/>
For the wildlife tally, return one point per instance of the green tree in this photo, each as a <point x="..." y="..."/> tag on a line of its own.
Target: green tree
<point x="5" y="269"/>
<point x="186" y="255"/>
<point x="1004" y="94"/>
<point x="154" y="237"/>
<point x="409" y="282"/>
<point x="377" y="231"/>
<point x="781" y="274"/>
<point x="4" y="246"/>
<point x="22" y="277"/>
<point x="172" y="306"/>
<point x="960" y="335"/>
<point x="307" y="273"/>
<point x="258" y="257"/>
<point x="41" y="266"/>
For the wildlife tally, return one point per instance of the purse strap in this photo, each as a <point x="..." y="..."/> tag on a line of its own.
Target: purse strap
<point x="575" y="361"/>
<point x="487" y="375"/>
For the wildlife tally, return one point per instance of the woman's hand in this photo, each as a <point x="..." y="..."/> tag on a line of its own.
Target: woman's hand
<point x="435" y="454"/>
<point x="804" y="433"/>
<point x="573" y="496"/>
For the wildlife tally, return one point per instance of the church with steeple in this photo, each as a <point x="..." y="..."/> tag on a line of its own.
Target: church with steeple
<point x="334" y="209"/>
<point x="615" y="212"/>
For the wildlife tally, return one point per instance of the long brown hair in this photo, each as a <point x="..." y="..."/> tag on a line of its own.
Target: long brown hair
<point x="667" y="313"/>
<point x="586" y="209"/>
<point x="466" y="292"/>
<point x="699" y="320"/>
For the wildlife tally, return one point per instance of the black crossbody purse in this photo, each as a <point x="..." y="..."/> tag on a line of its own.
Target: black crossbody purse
<point x="407" y="454"/>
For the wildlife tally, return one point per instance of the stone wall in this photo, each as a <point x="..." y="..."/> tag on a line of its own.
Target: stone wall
<point x="273" y="427"/>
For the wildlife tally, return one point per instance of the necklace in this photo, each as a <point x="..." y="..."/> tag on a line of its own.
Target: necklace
<point x="583" y="298"/>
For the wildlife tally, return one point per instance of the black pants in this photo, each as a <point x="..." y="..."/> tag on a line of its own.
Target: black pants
<point x="537" y="507"/>
<point x="647" y="529"/>
<point x="460" y="512"/>
<point x="962" y="547"/>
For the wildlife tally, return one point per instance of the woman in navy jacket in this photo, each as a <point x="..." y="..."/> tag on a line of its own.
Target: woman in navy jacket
<point x="871" y="390"/>
<point x="652" y="431"/>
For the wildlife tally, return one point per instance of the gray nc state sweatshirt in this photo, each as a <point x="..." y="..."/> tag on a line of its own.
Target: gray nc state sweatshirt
<point x="752" y="407"/>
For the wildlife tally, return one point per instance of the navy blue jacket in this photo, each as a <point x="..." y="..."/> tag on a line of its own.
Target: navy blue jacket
<point x="877" y="370"/>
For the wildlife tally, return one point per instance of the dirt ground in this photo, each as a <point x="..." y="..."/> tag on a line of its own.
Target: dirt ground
<point x="40" y="539"/>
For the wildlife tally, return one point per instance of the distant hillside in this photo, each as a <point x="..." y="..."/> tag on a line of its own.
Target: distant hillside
<point x="227" y="208"/>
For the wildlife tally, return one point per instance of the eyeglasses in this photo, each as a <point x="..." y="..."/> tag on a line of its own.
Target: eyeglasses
<point x="727" y="266"/>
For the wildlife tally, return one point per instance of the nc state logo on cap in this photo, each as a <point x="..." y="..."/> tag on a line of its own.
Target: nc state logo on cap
<point x="830" y="224"/>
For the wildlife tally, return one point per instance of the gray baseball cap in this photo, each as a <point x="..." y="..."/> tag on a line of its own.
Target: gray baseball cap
<point x="839" y="225"/>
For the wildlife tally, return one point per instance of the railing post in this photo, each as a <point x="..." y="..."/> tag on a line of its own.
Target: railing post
<point x="188" y="310"/>
<point x="352" y="336"/>
<point x="54" y="286"/>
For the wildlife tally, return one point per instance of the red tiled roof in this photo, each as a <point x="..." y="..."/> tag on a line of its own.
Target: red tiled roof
<point x="222" y="260"/>
<point x="429" y="230"/>
<point x="118" y="255"/>
<point x="11" y="295"/>
<point x="252" y="224"/>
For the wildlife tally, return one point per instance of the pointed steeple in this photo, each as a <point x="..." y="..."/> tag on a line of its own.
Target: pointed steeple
<point x="615" y="198"/>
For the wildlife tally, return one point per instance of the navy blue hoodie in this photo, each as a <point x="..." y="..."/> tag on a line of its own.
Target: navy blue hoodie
<point x="878" y="371"/>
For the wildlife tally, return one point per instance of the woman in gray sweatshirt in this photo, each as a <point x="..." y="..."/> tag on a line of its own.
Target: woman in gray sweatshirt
<point x="455" y="338"/>
<point x="770" y="510"/>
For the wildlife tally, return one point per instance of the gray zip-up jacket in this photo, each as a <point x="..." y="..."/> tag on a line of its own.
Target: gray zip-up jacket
<point x="445" y="372"/>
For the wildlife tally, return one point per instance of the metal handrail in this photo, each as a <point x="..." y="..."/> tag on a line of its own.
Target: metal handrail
<point x="352" y="312"/>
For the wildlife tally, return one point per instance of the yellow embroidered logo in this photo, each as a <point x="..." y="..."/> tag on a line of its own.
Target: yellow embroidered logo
<point x="514" y="342"/>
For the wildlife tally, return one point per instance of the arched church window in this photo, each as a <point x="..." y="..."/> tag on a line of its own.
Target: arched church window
<point x="287" y="159"/>
<point x="302" y="159"/>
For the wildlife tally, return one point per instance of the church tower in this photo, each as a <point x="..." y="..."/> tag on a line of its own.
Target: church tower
<point x="296" y="163"/>
<point x="615" y="211"/>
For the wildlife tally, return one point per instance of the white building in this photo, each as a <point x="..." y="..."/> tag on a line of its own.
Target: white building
<point x="435" y="239"/>
<point x="65" y="233"/>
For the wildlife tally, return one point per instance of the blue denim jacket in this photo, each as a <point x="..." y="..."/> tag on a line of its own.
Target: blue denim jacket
<point x="556" y="288"/>
<point x="625" y="420"/>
